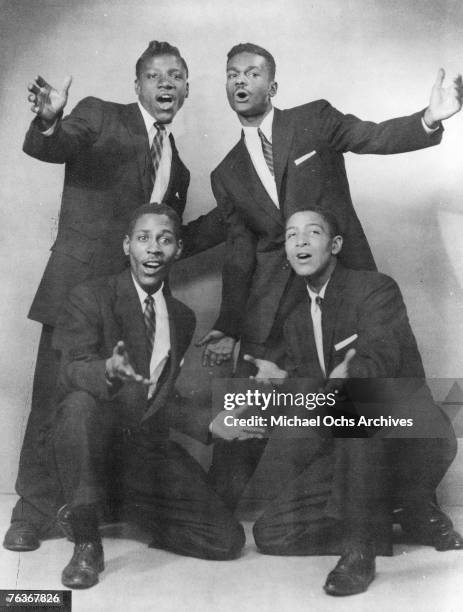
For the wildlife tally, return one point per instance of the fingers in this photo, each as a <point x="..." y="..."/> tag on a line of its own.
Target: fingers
<point x="458" y="82"/>
<point x="119" y="349"/>
<point x="66" y="85"/>
<point x="440" y="77"/>
<point x="350" y="353"/>
<point x="251" y="359"/>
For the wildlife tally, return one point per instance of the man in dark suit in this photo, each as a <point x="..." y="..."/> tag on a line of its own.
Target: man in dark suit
<point x="286" y="157"/>
<point x="121" y="341"/>
<point x="336" y="488"/>
<point x="116" y="158"/>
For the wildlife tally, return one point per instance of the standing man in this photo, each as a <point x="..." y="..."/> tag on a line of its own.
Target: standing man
<point x="286" y="157"/>
<point x="117" y="157"/>
<point x="334" y="494"/>
<point x="122" y="341"/>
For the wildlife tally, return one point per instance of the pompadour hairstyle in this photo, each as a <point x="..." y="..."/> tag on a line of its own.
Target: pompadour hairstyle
<point x="154" y="49"/>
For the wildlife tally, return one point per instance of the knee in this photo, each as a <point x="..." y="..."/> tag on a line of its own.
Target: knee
<point x="268" y="540"/>
<point x="77" y="406"/>
<point x="229" y="543"/>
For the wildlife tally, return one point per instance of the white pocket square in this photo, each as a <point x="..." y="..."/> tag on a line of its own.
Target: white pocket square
<point x="345" y="342"/>
<point x="299" y="160"/>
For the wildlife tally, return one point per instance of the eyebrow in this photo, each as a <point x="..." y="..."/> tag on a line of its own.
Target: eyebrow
<point x="229" y="68"/>
<point x="293" y="227"/>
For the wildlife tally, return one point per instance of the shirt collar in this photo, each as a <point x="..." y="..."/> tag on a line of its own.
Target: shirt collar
<point x="157" y="296"/>
<point x="321" y="293"/>
<point x="149" y="119"/>
<point x="265" y="126"/>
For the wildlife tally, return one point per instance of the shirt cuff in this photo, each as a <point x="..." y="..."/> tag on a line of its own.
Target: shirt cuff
<point x="427" y="129"/>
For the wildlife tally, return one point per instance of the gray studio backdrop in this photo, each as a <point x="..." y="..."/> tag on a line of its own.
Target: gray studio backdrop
<point x="377" y="59"/>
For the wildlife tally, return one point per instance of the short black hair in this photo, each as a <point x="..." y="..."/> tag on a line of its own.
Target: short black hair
<point x="329" y="217"/>
<point x="154" y="49"/>
<point x="156" y="209"/>
<point x="252" y="48"/>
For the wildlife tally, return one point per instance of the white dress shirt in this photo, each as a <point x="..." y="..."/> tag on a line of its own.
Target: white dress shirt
<point x="316" y="315"/>
<point x="254" y="147"/>
<point x="163" y="172"/>
<point x="161" y="345"/>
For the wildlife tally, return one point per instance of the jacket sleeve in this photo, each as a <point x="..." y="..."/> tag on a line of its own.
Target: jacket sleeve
<point x="239" y="264"/>
<point x="203" y="233"/>
<point x="381" y="326"/>
<point x="78" y="339"/>
<point x="71" y="135"/>
<point x="399" y="135"/>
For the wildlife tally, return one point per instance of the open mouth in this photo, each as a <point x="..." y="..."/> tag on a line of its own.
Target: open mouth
<point x="241" y="95"/>
<point x="152" y="266"/>
<point x="303" y="256"/>
<point x="165" y="99"/>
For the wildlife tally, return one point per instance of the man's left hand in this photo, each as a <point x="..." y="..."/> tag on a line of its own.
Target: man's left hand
<point x="444" y="101"/>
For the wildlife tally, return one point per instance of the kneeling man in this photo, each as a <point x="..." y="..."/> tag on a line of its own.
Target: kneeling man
<point x="338" y="488"/>
<point x="122" y="341"/>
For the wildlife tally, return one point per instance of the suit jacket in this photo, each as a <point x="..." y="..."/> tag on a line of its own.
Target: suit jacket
<point x="96" y="315"/>
<point x="105" y="149"/>
<point x="308" y="146"/>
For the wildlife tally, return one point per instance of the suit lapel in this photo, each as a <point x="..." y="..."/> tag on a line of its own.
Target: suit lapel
<point x="282" y="137"/>
<point x="136" y="126"/>
<point x="248" y="179"/>
<point x="332" y="303"/>
<point x="129" y="314"/>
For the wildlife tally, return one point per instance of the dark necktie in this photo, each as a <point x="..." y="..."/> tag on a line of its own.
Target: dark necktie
<point x="267" y="150"/>
<point x="156" y="149"/>
<point x="316" y="314"/>
<point x="150" y="322"/>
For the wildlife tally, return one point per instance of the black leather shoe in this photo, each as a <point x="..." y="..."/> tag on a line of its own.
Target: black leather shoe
<point x="21" y="537"/>
<point x="353" y="573"/>
<point x="82" y="570"/>
<point x="63" y="520"/>
<point x="429" y="526"/>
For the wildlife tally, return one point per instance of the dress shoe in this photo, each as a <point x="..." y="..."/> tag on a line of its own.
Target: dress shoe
<point x="63" y="520"/>
<point x="353" y="573"/>
<point x="21" y="537"/>
<point x="82" y="570"/>
<point x="429" y="526"/>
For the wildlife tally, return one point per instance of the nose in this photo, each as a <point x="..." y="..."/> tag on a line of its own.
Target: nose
<point x="302" y="241"/>
<point x="240" y="79"/>
<point x="165" y="82"/>
<point x="153" y="247"/>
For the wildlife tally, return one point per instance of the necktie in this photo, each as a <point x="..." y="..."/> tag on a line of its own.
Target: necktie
<point x="156" y="149"/>
<point x="150" y="322"/>
<point x="316" y="313"/>
<point x="267" y="150"/>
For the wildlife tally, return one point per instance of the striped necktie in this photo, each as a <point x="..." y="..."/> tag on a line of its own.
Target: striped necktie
<point x="267" y="150"/>
<point x="150" y="322"/>
<point x="156" y="149"/>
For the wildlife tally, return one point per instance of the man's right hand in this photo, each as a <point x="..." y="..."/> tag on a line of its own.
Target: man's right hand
<point x="267" y="371"/>
<point x="218" y="348"/>
<point x="119" y="366"/>
<point x="48" y="102"/>
<point x="234" y="430"/>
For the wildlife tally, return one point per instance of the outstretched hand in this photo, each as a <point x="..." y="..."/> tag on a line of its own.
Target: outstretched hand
<point x="267" y="371"/>
<point x="218" y="348"/>
<point x="119" y="366"/>
<point x="48" y="102"/>
<point x="444" y="101"/>
<point x="231" y="428"/>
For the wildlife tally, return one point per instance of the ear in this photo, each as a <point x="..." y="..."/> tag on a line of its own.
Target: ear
<point x="126" y="245"/>
<point x="187" y="90"/>
<point x="137" y="86"/>
<point x="273" y="89"/>
<point x="336" y="245"/>
<point x="179" y="252"/>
